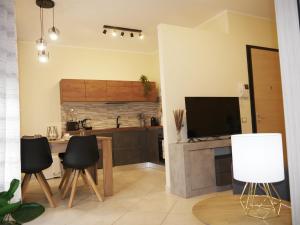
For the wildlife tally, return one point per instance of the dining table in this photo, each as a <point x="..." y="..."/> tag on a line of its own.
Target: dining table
<point x="105" y="148"/>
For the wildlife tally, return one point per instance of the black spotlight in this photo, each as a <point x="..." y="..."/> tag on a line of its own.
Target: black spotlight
<point x="122" y="34"/>
<point x="104" y="31"/>
<point x="131" y="35"/>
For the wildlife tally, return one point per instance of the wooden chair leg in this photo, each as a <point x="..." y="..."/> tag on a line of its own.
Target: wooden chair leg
<point x="74" y="185"/>
<point x="25" y="183"/>
<point x="67" y="185"/>
<point x="67" y="179"/>
<point x="46" y="182"/>
<point x="66" y="174"/>
<point x="93" y="185"/>
<point x="83" y="176"/>
<point x="45" y="189"/>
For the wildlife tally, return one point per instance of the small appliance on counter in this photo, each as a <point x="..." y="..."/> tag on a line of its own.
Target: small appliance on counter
<point x="85" y="124"/>
<point x="72" y="126"/>
<point x="154" y="121"/>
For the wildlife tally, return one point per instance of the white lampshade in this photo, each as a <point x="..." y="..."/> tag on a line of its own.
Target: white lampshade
<point x="257" y="158"/>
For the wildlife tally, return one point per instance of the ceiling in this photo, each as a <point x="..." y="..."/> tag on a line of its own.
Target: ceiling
<point x="81" y="21"/>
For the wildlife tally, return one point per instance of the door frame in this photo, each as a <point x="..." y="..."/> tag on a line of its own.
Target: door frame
<point x="251" y="83"/>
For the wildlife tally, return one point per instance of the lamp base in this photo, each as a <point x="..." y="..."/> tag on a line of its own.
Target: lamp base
<point x="263" y="206"/>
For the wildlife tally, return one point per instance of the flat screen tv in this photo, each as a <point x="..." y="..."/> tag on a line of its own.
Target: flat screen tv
<point x="212" y="116"/>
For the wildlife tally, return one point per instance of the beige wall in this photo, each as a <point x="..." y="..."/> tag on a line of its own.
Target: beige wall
<point x="207" y="62"/>
<point x="39" y="83"/>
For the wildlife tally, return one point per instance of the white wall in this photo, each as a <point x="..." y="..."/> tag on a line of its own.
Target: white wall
<point x="204" y="62"/>
<point x="39" y="83"/>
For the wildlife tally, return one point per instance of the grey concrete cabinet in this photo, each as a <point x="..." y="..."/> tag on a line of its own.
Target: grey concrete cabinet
<point x="192" y="167"/>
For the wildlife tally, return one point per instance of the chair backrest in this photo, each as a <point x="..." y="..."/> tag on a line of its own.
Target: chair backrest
<point x="35" y="155"/>
<point x="82" y="152"/>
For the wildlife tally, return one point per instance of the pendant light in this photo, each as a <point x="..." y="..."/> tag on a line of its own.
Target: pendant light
<point x="53" y="31"/>
<point x="43" y="56"/>
<point x="41" y="43"/>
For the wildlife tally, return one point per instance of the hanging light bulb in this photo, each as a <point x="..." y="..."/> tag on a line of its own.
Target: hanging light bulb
<point x="43" y="56"/>
<point x="141" y="36"/>
<point x="114" y="33"/>
<point x="41" y="44"/>
<point x="53" y="32"/>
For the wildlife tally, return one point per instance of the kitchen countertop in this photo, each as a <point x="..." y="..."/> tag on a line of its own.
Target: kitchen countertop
<point x="118" y="129"/>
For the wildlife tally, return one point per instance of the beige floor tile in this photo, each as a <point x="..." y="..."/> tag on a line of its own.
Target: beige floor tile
<point x="141" y="218"/>
<point x="139" y="199"/>
<point x="181" y="219"/>
<point x="185" y="205"/>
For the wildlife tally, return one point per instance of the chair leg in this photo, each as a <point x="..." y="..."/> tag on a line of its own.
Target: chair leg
<point x="67" y="179"/>
<point x="46" y="182"/>
<point x="74" y="185"/>
<point x="67" y="185"/>
<point x="66" y="174"/>
<point x="93" y="185"/>
<point x="45" y="189"/>
<point x="83" y="176"/>
<point x="25" y="183"/>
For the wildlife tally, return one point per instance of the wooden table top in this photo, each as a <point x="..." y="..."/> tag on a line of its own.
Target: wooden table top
<point x="63" y="141"/>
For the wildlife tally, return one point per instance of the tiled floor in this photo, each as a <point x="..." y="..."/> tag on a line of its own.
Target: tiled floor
<point x="140" y="199"/>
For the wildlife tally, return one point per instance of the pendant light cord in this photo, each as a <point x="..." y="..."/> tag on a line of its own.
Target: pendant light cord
<point x="53" y="17"/>
<point x="42" y="21"/>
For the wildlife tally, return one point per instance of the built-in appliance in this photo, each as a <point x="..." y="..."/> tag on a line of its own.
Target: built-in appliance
<point x="212" y="116"/>
<point x="154" y="121"/>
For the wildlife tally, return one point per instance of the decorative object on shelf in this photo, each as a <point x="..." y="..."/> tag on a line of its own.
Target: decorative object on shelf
<point x="178" y="117"/>
<point x="114" y="30"/>
<point x="142" y="119"/>
<point x="17" y="213"/>
<point x="257" y="159"/>
<point x="41" y="43"/>
<point x="146" y="83"/>
<point x="52" y="133"/>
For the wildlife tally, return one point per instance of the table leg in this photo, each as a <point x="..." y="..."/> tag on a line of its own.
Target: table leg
<point x="107" y="167"/>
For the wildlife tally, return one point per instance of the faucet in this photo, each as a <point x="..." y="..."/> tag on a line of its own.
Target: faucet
<point x="117" y="122"/>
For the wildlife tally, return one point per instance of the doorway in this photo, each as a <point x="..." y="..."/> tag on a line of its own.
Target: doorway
<point x="266" y="92"/>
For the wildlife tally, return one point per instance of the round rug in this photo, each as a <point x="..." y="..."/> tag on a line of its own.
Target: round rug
<point x="227" y="210"/>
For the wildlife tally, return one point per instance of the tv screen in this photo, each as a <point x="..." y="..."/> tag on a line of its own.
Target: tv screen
<point x="212" y="116"/>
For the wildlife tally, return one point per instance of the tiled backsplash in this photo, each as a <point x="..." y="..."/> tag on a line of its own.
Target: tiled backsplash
<point x="104" y="115"/>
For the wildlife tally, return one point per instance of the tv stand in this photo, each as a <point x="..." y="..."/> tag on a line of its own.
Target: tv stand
<point x="192" y="167"/>
<point x="193" y="140"/>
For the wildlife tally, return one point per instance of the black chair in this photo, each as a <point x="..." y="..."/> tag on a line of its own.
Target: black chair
<point x="35" y="157"/>
<point x="82" y="153"/>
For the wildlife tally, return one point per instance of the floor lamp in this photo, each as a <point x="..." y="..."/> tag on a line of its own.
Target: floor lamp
<point x="257" y="159"/>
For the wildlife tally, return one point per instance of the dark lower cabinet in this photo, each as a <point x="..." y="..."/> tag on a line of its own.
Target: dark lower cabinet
<point x="223" y="170"/>
<point x="134" y="146"/>
<point x="152" y="146"/>
<point x="129" y="147"/>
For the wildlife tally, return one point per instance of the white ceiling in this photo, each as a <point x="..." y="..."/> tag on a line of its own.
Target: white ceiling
<point x="81" y="21"/>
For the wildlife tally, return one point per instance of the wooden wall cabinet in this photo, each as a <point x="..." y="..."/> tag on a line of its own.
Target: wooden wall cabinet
<point x="72" y="90"/>
<point x="95" y="90"/>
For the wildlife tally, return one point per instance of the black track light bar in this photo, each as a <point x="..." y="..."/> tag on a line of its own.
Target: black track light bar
<point x="121" y="28"/>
